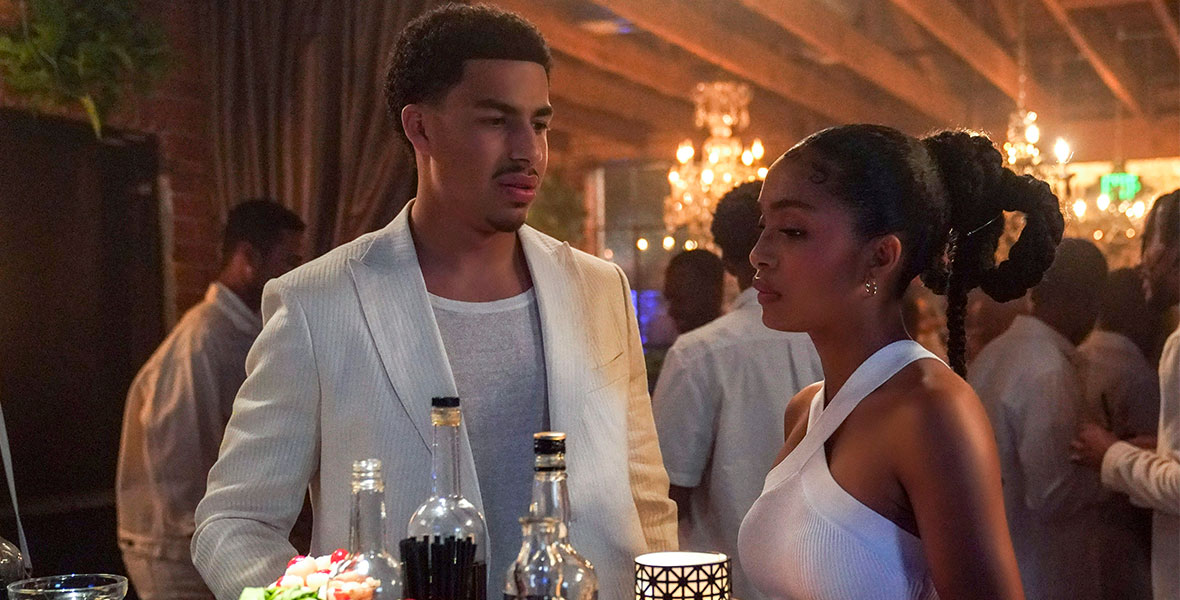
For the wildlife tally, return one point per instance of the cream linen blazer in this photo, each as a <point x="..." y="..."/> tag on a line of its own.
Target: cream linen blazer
<point x="347" y="362"/>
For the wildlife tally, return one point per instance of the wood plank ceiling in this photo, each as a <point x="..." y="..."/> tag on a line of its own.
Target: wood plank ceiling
<point x="1103" y="73"/>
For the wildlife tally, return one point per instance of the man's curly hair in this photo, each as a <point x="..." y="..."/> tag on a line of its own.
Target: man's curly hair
<point x="428" y="58"/>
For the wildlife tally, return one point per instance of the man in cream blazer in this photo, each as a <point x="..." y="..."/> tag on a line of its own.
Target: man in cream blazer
<point x="354" y="347"/>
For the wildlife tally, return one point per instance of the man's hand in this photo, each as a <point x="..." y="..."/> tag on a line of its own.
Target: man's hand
<point x="1091" y="445"/>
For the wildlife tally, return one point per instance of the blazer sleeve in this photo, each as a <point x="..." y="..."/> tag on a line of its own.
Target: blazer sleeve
<point x="1152" y="480"/>
<point x="649" y="480"/>
<point x="268" y="455"/>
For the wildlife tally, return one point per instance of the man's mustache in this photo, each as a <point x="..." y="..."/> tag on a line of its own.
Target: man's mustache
<point x="516" y="168"/>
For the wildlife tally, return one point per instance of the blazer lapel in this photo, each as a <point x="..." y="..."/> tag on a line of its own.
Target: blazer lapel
<point x="398" y="312"/>
<point x="563" y="332"/>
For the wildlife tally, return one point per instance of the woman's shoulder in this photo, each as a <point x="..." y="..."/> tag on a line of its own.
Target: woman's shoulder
<point x="928" y="388"/>
<point x="932" y="412"/>
<point x="798" y="409"/>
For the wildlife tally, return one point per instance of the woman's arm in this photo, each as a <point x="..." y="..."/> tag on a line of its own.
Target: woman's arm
<point x="949" y="467"/>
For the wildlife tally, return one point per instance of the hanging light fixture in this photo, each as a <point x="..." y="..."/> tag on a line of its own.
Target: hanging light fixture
<point x="696" y="186"/>
<point x="1024" y="133"/>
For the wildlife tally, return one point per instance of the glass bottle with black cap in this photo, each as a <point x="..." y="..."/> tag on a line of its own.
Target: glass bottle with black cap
<point x="551" y="500"/>
<point x="444" y="555"/>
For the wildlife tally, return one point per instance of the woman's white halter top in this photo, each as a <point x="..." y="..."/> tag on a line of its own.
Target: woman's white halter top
<point x="807" y="538"/>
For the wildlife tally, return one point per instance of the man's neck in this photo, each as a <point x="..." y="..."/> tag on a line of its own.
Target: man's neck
<point x="462" y="263"/>
<point x="1057" y="323"/>
<point x="242" y="290"/>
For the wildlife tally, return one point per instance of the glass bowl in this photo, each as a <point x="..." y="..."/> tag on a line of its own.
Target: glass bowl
<point x="70" y="587"/>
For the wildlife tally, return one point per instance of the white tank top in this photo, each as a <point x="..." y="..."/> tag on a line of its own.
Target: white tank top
<point x="807" y="538"/>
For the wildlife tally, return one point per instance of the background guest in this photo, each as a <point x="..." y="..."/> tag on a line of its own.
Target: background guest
<point x="694" y="285"/>
<point x="1120" y="386"/>
<point x="1028" y="381"/>
<point x="987" y="319"/>
<point x="719" y="403"/>
<point x="1121" y="393"/>
<point x="181" y="400"/>
<point x="1152" y="477"/>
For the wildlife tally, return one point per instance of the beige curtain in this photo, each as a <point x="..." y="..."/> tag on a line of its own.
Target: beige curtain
<point x="299" y="113"/>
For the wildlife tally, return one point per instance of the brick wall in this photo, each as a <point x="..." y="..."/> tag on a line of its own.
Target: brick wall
<point x="177" y="112"/>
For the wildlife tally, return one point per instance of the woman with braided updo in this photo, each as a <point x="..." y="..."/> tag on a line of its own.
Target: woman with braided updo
<point x="888" y="485"/>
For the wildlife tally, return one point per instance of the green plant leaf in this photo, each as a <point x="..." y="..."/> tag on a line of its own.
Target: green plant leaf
<point x="92" y="112"/>
<point x="92" y="52"/>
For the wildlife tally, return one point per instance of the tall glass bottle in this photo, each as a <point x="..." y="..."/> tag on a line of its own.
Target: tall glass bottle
<point x="446" y="546"/>
<point x="536" y="574"/>
<point x="12" y="566"/>
<point x="369" y="569"/>
<point x="551" y="499"/>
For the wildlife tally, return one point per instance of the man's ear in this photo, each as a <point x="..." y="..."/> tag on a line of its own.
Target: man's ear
<point x="414" y="123"/>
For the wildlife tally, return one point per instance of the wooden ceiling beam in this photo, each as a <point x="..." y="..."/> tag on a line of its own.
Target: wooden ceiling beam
<point x="1081" y="4"/>
<point x="1168" y="20"/>
<point x="670" y="119"/>
<point x="568" y="115"/>
<point x="613" y="54"/>
<point x="771" y="117"/>
<point x="1110" y="139"/>
<point x="1006" y="15"/>
<point x="687" y="27"/>
<point x="831" y="34"/>
<point x="573" y="80"/>
<point x="962" y="36"/>
<point x="1105" y="58"/>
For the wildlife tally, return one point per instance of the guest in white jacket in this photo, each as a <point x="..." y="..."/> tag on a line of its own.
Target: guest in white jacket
<point x="1152" y="477"/>
<point x="455" y="297"/>
<point x="180" y="400"/>
<point x="1027" y="379"/>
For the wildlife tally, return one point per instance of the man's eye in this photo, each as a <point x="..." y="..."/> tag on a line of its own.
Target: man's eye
<point x="540" y="126"/>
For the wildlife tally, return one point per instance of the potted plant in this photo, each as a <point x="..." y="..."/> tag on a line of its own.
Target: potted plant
<point x="84" y="52"/>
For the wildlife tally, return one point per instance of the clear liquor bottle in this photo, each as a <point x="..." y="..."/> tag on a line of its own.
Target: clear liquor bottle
<point x="369" y="571"/>
<point x="536" y="573"/>
<point x="445" y="551"/>
<point x="550" y="499"/>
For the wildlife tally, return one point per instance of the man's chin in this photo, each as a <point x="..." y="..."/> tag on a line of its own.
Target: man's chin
<point x="507" y="223"/>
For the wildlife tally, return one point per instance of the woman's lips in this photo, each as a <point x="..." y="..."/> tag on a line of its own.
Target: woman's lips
<point x="765" y="292"/>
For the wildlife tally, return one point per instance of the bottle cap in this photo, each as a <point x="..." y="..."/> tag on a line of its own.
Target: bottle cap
<point x="444" y="402"/>
<point x="367" y="465"/>
<point x="549" y="442"/>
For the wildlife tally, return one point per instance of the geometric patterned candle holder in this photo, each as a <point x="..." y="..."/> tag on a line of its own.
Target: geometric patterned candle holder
<point x="682" y="576"/>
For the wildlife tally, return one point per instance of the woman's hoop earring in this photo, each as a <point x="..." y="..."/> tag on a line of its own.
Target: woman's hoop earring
<point x="871" y="287"/>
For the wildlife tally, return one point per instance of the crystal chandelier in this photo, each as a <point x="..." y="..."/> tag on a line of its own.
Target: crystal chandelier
<point x="1020" y="147"/>
<point x="1021" y="151"/>
<point x="696" y="186"/>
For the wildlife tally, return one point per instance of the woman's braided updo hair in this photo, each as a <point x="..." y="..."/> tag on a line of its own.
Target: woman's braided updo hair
<point x="944" y="196"/>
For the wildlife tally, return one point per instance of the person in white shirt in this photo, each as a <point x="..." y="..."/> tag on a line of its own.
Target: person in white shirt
<point x="1121" y="391"/>
<point x="180" y="401"/>
<point x="456" y="296"/>
<point x="1152" y="477"/>
<point x="720" y="399"/>
<point x="1120" y="385"/>
<point x="1027" y="379"/>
